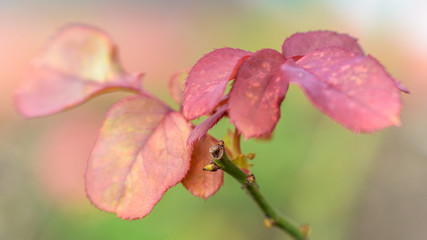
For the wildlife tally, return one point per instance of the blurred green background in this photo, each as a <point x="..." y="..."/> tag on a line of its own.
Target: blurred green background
<point x="345" y="186"/>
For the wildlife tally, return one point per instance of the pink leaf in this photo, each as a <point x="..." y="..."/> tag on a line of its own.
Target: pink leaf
<point x="176" y="85"/>
<point x="354" y="90"/>
<point x="257" y="92"/>
<point x="201" y="183"/>
<point x="301" y="44"/>
<point x="201" y="129"/>
<point x="140" y="153"/>
<point x="77" y="63"/>
<point x="208" y="80"/>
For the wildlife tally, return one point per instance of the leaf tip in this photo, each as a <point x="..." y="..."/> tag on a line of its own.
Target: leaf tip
<point x="402" y="88"/>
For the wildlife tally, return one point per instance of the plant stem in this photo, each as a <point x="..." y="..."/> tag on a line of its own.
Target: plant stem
<point x="247" y="181"/>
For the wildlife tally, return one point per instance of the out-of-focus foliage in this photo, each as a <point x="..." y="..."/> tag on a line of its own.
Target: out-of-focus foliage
<point x="78" y="62"/>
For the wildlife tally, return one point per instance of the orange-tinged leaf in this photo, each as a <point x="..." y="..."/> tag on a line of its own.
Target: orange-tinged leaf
<point x="354" y="90"/>
<point x="202" y="183"/>
<point x="77" y="63"/>
<point x="257" y="92"/>
<point x="208" y="79"/>
<point x="140" y="153"/>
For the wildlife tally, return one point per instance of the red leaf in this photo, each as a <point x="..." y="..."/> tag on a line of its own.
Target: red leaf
<point x="176" y="85"/>
<point x="77" y="63"/>
<point x="201" y="183"/>
<point x="201" y="129"/>
<point x="208" y="80"/>
<point x="140" y="153"/>
<point x="257" y="92"/>
<point x="300" y="44"/>
<point x="354" y="90"/>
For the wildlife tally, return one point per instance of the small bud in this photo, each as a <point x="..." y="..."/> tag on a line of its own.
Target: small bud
<point x="305" y="229"/>
<point x="250" y="156"/>
<point x="211" y="167"/>
<point x="268" y="222"/>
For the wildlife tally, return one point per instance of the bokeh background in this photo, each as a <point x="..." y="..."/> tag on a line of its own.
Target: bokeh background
<point x="346" y="186"/>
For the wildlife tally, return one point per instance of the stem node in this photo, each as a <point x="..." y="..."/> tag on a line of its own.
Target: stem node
<point x="250" y="179"/>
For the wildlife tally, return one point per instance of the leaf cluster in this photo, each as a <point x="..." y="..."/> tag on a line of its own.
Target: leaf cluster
<point x="145" y="147"/>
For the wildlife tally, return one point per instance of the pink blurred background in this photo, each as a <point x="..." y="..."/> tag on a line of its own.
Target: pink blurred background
<point x="160" y="37"/>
